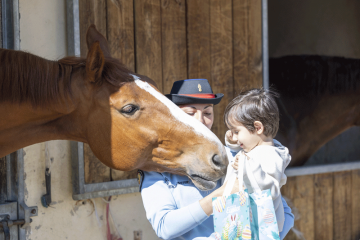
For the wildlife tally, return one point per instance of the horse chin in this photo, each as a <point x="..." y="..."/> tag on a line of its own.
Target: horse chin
<point x="202" y="183"/>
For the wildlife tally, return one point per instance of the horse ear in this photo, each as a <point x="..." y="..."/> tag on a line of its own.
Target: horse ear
<point x="95" y="62"/>
<point x="92" y="36"/>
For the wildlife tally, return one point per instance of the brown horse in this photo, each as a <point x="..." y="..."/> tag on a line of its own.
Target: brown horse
<point x="126" y="121"/>
<point x="320" y="98"/>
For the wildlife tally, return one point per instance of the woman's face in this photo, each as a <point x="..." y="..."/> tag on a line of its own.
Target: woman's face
<point x="202" y="112"/>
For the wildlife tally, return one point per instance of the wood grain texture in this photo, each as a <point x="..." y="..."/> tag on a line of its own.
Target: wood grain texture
<point x="148" y="40"/>
<point x="221" y="59"/>
<point x="198" y="39"/>
<point x="288" y="192"/>
<point x="120" y="36"/>
<point x="300" y="190"/>
<point x="342" y="205"/>
<point x="254" y="45"/>
<point x="355" y="185"/>
<point x="323" y="184"/>
<point x="95" y="171"/>
<point x="91" y="12"/>
<point x="120" y="31"/>
<point x="241" y="62"/>
<point x="173" y="29"/>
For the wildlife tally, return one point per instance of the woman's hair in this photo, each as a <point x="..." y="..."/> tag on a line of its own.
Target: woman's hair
<point x="254" y="105"/>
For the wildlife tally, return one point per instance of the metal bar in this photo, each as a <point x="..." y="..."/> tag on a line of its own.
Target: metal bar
<point x="77" y="167"/>
<point x="73" y="27"/>
<point x="16" y="24"/>
<point x="265" y="43"/>
<point x="11" y="173"/>
<point x="1" y="36"/>
<point x="21" y="189"/>
<point x="327" y="168"/>
<point x="105" y="193"/>
<point x="7" y="24"/>
<point x="106" y="186"/>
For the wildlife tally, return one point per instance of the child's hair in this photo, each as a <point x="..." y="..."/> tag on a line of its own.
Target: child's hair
<point x="254" y="105"/>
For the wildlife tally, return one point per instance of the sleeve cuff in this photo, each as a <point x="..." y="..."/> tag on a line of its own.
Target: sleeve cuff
<point x="197" y="212"/>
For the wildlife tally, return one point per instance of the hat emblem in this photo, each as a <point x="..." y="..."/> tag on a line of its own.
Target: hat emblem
<point x="199" y="86"/>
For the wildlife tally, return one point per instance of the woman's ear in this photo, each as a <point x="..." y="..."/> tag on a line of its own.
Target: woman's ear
<point x="259" y="127"/>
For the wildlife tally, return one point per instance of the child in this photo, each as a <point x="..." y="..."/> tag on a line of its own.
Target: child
<point x="253" y="120"/>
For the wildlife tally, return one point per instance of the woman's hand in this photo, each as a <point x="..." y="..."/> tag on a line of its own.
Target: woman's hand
<point x="206" y="202"/>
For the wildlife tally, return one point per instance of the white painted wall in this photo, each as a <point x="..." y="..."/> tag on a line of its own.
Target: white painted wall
<point x="43" y="32"/>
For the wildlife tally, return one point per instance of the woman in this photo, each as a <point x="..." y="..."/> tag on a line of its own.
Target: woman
<point x="175" y="208"/>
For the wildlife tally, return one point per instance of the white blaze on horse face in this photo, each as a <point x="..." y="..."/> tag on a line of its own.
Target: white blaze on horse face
<point x="179" y="114"/>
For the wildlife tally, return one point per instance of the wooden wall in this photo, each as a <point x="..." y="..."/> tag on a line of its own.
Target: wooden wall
<point x="328" y="205"/>
<point x="169" y="40"/>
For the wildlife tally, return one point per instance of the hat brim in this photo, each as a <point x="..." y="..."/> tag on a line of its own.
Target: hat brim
<point x="182" y="99"/>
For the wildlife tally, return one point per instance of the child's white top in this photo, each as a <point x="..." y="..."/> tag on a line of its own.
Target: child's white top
<point x="267" y="164"/>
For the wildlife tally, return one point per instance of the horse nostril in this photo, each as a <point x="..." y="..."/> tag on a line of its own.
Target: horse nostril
<point x="217" y="160"/>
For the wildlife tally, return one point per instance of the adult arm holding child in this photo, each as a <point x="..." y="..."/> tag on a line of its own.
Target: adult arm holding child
<point x="172" y="217"/>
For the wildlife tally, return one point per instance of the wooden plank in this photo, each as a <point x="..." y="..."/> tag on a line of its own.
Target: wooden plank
<point x="120" y="35"/>
<point x="95" y="171"/>
<point x="173" y="42"/>
<point x="198" y="38"/>
<point x="288" y="192"/>
<point x="342" y="205"/>
<point x="355" y="185"/>
<point x="91" y="12"/>
<point x="241" y="63"/>
<point x="304" y="201"/>
<point x="221" y="59"/>
<point x="323" y="184"/>
<point x="300" y="190"/>
<point x="148" y="40"/>
<point x="254" y="53"/>
<point x="120" y="31"/>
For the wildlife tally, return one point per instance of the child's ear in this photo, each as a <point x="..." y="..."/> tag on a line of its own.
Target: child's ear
<point x="259" y="127"/>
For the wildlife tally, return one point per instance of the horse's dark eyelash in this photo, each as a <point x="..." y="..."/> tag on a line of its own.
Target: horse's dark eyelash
<point x="133" y="109"/>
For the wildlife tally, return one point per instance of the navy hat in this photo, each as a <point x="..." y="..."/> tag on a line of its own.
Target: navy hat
<point x="193" y="91"/>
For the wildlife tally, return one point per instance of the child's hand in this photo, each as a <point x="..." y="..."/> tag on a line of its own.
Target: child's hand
<point x="229" y="137"/>
<point x="235" y="165"/>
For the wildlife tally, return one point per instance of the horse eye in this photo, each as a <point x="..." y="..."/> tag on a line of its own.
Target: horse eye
<point x="129" y="109"/>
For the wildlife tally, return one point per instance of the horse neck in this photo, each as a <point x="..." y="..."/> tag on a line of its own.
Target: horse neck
<point x="24" y="124"/>
<point x="329" y="116"/>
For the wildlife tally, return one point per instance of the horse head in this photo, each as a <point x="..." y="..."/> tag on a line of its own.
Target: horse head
<point x="129" y="124"/>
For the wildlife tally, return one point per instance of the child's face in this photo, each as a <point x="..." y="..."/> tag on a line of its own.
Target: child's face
<point x="246" y="139"/>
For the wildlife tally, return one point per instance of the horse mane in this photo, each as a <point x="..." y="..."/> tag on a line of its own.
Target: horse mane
<point x="25" y="77"/>
<point x="313" y="75"/>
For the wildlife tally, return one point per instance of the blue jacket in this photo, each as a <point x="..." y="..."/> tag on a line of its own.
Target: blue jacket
<point x="172" y="206"/>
